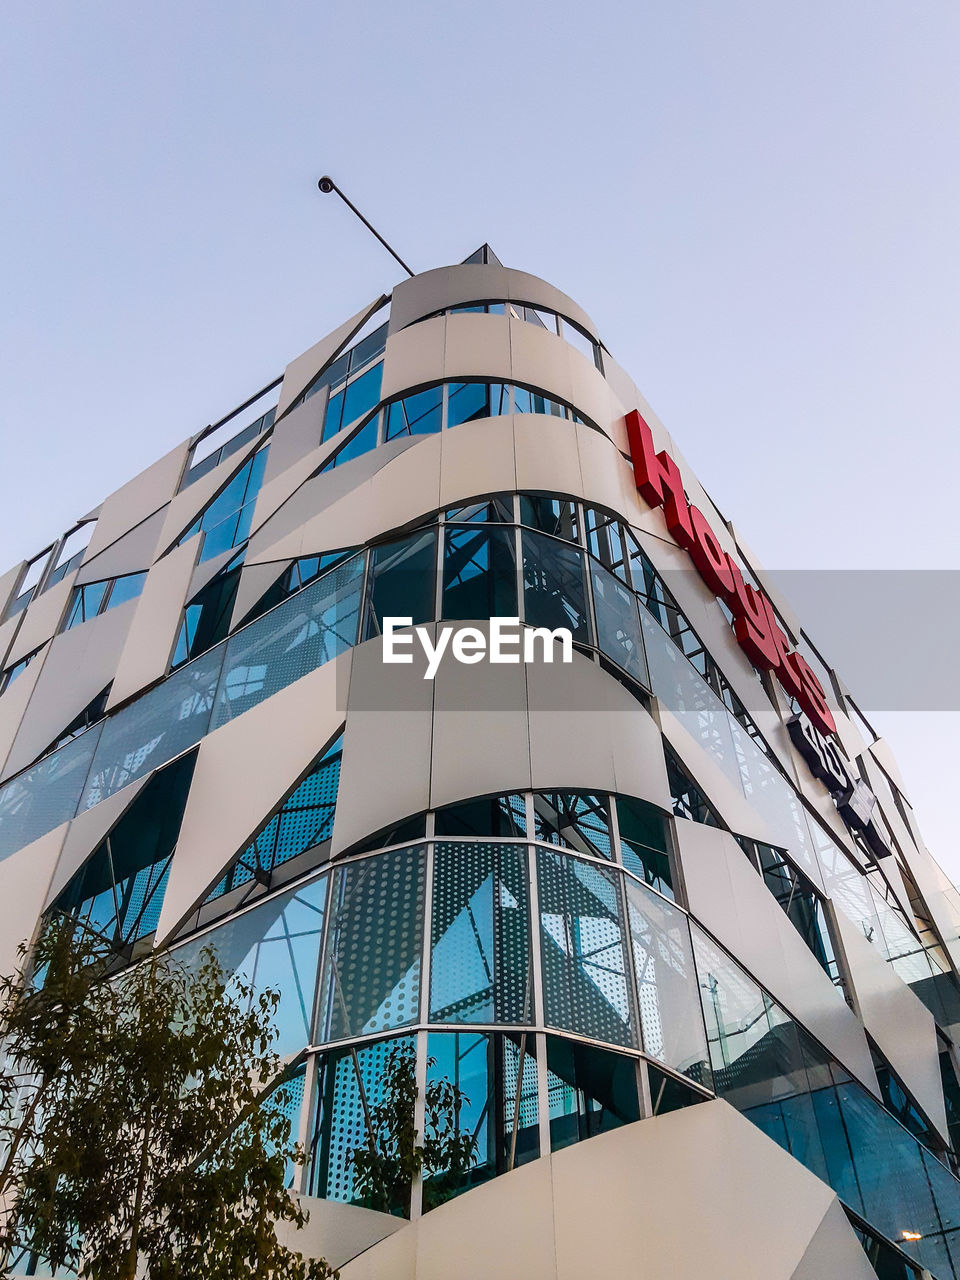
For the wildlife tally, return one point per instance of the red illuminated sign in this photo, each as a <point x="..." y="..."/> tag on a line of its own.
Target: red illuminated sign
<point x="661" y="485"/>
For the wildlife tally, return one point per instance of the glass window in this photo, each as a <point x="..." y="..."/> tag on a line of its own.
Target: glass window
<point x="360" y="442"/>
<point x="37" y="801"/>
<point x="667" y="1093"/>
<point x="371" y="976"/>
<point x="126" y="588"/>
<point x="605" y="541"/>
<point x="671" y="1021"/>
<point x="528" y="401"/>
<point x="118" y="893"/>
<point x="497" y="509"/>
<point x="495" y="1127"/>
<point x="584" y="344"/>
<point x="491" y="816"/>
<point x="643" y="843"/>
<point x="275" y="944"/>
<point x="225" y="521"/>
<point x="479" y="572"/>
<point x="556" y="516"/>
<point x="365" y="1104"/>
<point x="469" y="400"/>
<point x="303" y="821"/>
<point x="362" y="394"/>
<point x="590" y="1091"/>
<point x="582" y="949"/>
<point x="415" y="415"/>
<point x="554" y="586"/>
<point x="86" y="603"/>
<point x="481" y="966"/>
<point x="575" y="820"/>
<point x="401" y="582"/>
<point x="170" y="718"/>
<point x="206" y="619"/>
<point x="618" y="623"/>
<point x="301" y="634"/>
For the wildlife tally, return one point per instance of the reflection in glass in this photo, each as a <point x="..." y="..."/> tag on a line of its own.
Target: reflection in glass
<point x="554" y="585"/>
<point x="481" y="967"/>
<point x="582" y="949"/>
<point x="371" y="976"/>
<point x="590" y="1091"/>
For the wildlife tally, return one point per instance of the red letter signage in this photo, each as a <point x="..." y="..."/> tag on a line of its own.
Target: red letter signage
<point x="660" y="484"/>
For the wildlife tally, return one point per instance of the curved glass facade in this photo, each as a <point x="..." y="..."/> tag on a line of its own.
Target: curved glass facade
<point x="564" y="995"/>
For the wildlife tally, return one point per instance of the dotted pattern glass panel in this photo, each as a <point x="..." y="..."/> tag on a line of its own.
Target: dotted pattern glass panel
<point x="173" y="716"/>
<point x="304" y="820"/>
<point x="481" y="968"/>
<point x="298" y="636"/>
<point x="618" y="624"/>
<point x="372" y="966"/>
<point x="582" y="948"/>
<point x="46" y="795"/>
<point x="350" y="1085"/>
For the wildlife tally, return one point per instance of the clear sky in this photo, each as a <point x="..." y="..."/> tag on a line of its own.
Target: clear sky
<point x="758" y="201"/>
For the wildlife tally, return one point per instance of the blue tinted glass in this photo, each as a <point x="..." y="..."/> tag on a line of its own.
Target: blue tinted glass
<point x="86" y="603"/>
<point x="293" y="639"/>
<point x="331" y="421"/>
<point x="415" y="415"/>
<point x="126" y="588"/>
<point x="157" y="727"/>
<point x="467" y="401"/>
<point x="362" y="395"/>
<point x="361" y="442"/>
<point x="523" y="400"/>
<point x="219" y="538"/>
<point x="230" y="500"/>
<point x="48" y="794"/>
<point x="275" y="945"/>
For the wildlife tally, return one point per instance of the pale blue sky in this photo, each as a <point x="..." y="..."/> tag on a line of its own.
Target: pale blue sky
<point x="757" y="201"/>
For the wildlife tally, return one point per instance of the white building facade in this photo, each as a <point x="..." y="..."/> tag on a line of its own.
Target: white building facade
<point x="662" y="913"/>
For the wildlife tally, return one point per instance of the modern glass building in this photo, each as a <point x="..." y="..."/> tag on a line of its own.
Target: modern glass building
<point x="662" y="914"/>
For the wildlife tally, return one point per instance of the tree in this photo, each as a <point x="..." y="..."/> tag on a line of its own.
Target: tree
<point x="164" y="1142"/>
<point x="385" y="1166"/>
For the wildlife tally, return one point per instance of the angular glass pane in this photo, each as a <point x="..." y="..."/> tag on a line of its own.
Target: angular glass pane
<point x="402" y="581"/>
<point x="372" y="967"/>
<point x="582" y="949"/>
<point x="497" y="1121"/>
<point x="469" y="400"/>
<point x="295" y="638"/>
<point x="481" y="966"/>
<point x="37" y="801"/>
<point x="554" y="585"/>
<point x="276" y="945"/>
<point x="589" y="1091"/>
<point x="491" y="816"/>
<point x="497" y="509"/>
<point x="126" y="588"/>
<point x="667" y="1093"/>
<point x="557" y="516"/>
<point x="643" y="843"/>
<point x="618" y="623"/>
<point x="415" y="415"/>
<point x="356" y="1089"/>
<point x="690" y="698"/>
<point x="362" y="394"/>
<point x="171" y="717"/>
<point x="360" y="442"/>
<point x="479" y="572"/>
<point x="671" y="1020"/>
<point x="333" y="418"/>
<point x="574" y="820"/>
<point x="118" y="891"/>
